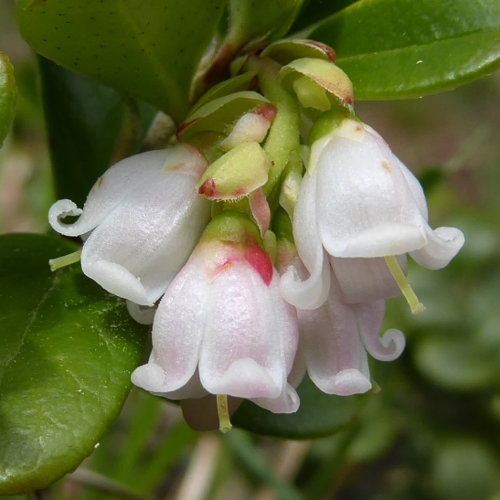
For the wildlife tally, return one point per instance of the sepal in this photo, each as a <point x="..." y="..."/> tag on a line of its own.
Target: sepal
<point x="318" y="83"/>
<point x="236" y="174"/>
<point x="286" y="51"/>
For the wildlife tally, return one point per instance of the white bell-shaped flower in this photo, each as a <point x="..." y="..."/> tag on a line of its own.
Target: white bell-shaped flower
<point x="358" y="201"/>
<point x="223" y="328"/>
<point x="335" y="338"/>
<point x="140" y="222"/>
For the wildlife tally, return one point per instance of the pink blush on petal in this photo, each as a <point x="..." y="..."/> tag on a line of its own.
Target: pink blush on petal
<point x="261" y="262"/>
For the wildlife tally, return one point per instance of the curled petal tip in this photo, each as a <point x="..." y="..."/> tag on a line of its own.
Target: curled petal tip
<point x="443" y="244"/>
<point x="58" y="211"/>
<point x="308" y="294"/>
<point x="388" y="347"/>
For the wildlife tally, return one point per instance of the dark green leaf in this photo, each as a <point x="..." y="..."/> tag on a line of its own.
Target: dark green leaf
<point x="66" y="354"/>
<point x="319" y="414"/>
<point x="7" y="95"/>
<point x="402" y="48"/>
<point x="149" y="50"/>
<point x="313" y="11"/>
<point x="84" y="120"/>
<point x="257" y="22"/>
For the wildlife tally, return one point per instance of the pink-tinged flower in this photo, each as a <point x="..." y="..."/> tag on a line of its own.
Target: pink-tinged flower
<point x="335" y="339"/>
<point x="360" y="204"/>
<point x="140" y="222"/>
<point x="222" y="326"/>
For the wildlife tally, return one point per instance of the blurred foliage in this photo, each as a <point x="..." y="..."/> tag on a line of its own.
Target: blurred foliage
<point x="432" y="432"/>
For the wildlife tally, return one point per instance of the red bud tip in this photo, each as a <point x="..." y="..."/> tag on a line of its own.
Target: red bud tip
<point x="207" y="188"/>
<point x="268" y="111"/>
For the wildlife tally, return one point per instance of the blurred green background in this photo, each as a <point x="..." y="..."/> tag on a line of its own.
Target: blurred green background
<point x="432" y="432"/>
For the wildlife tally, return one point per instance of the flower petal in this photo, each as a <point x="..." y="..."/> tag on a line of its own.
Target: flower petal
<point x="287" y="402"/>
<point x="336" y="359"/>
<point x="178" y="328"/>
<point x="369" y="317"/>
<point x="443" y="244"/>
<point x="115" y="185"/>
<point x="313" y="291"/>
<point x="142" y="314"/>
<point x="137" y="250"/>
<point x="365" y="280"/>
<point x="243" y="353"/>
<point x="364" y="203"/>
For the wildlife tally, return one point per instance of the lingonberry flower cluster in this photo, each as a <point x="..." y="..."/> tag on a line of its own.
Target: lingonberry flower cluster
<point x="263" y="241"/>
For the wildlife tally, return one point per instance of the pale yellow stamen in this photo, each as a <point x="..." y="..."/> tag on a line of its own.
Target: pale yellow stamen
<point x="223" y="413"/>
<point x="416" y="306"/>
<point x="65" y="260"/>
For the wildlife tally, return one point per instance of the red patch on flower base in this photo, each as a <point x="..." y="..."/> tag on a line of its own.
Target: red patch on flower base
<point x="261" y="262"/>
<point x="268" y="111"/>
<point x="207" y="188"/>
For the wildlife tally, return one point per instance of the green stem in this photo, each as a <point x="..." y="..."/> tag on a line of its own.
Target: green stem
<point x="283" y="138"/>
<point x="416" y="306"/>
<point x="65" y="260"/>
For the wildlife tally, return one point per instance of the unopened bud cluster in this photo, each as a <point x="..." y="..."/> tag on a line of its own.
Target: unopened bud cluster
<point x="262" y="243"/>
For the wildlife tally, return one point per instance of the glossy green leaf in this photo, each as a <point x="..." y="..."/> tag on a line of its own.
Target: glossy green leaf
<point x="319" y="414"/>
<point x="7" y="95"/>
<point x="66" y="353"/>
<point x="313" y="11"/>
<point x="235" y="84"/>
<point x="84" y="120"/>
<point x="403" y="48"/>
<point x="149" y="50"/>
<point x="253" y="23"/>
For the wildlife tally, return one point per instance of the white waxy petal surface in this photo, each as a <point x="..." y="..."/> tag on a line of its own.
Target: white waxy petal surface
<point x="142" y="314"/>
<point x="369" y="317"/>
<point x="111" y="188"/>
<point x="336" y="359"/>
<point x="311" y="292"/>
<point x="287" y="402"/>
<point x="179" y="326"/>
<point x="443" y="244"/>
<point x="137" y="250"/>
<point x="243" y="353"/>
<point x="365" y="206"/>
<point x="365" y="280"/>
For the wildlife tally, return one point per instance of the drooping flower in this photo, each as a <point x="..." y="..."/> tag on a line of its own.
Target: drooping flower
<point x="335" y="339"/>
<point x="140" y="222"/>
<point x="222" y="327"/>
<point x="362" y="206"/>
